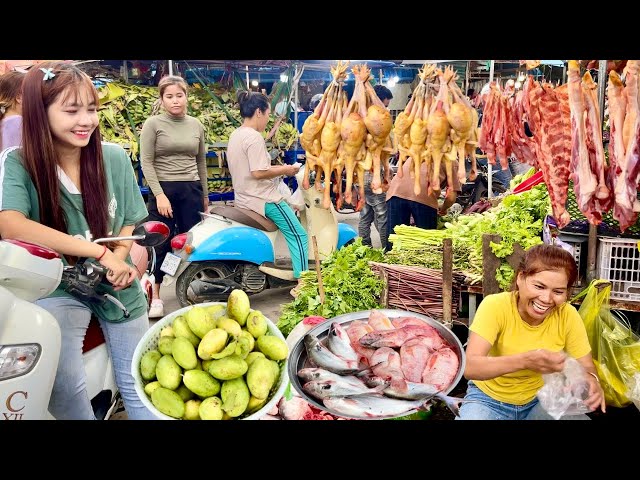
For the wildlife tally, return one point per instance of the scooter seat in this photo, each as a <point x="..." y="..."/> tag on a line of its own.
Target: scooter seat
<point x="245" y="216"/>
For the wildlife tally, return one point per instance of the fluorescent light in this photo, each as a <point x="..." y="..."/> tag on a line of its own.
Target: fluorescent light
<point x="283" y="77"/>
<point x="254" y="83"/>
<point x="396" y="78"/>
<point x="391" y="83"/>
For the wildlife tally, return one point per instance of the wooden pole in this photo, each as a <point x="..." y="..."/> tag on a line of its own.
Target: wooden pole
<point x="318" y="271"/>
<point x="447" y="281"/>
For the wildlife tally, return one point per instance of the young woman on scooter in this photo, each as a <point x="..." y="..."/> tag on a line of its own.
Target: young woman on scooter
<point x="255" y="180"/>
<point x="62" y="189"/>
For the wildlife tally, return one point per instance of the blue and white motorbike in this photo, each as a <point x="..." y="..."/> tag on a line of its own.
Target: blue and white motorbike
<point x="234" y="248"/>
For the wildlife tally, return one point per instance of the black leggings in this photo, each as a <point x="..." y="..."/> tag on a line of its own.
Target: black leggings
<point x="186" y="202"/>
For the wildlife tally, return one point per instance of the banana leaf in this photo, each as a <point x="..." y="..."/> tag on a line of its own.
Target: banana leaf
<point x="214" y="96"/>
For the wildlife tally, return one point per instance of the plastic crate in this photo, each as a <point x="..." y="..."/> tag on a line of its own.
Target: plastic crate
<point x="579" y="244"/>
<point x="293" y="156"/>
<point x="619" y="263"/>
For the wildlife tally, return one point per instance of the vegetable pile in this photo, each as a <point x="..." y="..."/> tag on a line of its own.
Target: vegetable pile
<point x="518" y="219"/>
<point x="349" y="283"/>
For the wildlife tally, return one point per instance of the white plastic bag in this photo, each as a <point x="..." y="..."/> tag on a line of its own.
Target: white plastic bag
<point x="563" y="393"/>
<point x="295" y="199"/>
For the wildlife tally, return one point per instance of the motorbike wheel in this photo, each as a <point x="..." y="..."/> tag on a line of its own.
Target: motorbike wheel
<point x="199" y="271"/>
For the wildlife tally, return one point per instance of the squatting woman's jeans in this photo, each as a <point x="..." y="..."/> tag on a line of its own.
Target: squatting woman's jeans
<point x="480" y="406"/>
<point x="297" y="240"/>
<point x="69" y="398"/>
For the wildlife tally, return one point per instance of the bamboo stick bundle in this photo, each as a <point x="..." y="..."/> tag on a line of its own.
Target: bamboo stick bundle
<point x="417" y="289"/>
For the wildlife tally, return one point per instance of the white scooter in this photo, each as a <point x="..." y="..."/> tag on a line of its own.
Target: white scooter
<point x="30" y="338"/>
<point x="234" y="248"/>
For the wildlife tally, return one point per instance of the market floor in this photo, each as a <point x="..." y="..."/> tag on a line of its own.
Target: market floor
<point x="269" y="302"/>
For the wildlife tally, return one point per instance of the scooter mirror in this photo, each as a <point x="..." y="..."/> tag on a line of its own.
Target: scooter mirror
<point x="154" y="233"/>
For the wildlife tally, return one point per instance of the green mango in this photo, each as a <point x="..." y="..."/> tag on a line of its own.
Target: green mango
<point x="228" y="368"/>
<point x="201" y="383"/>
<point x="211" y="409"/>
<point x="184" y="392"/>
<point x="151" y="386"/>
<point x="184" y="353"/>
<point x="168" y="402"/>
<point x="257" y="324"/>
<point x="245" y="344"/>
<point x="192" y="409"/>
<point x="181" y="329"/>
<point x="168" y="372"/>
<point x="199" y="321"/>
<point x="232" y="327"/>
<point x="238" y="306"/>
<point x="213" y="342"/>
<point x="252" y="356"/>
<point x="260" y="378"/>
<point x="148" y="364"/>
<point x="235" y="397"/>
<point x="274" y="348"/>
<point x="165" y="343"/>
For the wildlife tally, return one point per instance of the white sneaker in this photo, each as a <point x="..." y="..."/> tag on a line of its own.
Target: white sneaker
<point x="157" y="308"/>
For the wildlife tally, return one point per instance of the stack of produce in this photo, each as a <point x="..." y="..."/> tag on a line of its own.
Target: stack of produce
<point x="215" y="362"/>
<point x="124" y="109"/>
<point x="518" y="219"/>
<point x="353" y="137"/>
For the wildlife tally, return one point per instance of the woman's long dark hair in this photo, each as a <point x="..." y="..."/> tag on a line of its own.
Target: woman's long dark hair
<point x="39" y="153"/>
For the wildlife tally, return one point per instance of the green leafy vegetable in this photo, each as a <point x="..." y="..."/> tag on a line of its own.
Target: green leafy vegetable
<point x="349" y="284"/>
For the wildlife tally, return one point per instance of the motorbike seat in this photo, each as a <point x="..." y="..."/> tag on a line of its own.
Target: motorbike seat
<point x="244" y="216"/>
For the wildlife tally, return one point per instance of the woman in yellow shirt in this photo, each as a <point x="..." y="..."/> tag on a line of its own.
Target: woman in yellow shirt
<point x="517" y="336"/>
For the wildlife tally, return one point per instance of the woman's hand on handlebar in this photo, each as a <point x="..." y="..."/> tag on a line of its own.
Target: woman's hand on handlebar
<point x="120" y="274"/>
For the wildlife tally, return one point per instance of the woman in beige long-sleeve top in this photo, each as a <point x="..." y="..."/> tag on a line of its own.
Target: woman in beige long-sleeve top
<point x="172" y="152"/>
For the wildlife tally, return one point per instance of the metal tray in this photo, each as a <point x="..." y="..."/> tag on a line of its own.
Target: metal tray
<point x="298" y="355"/>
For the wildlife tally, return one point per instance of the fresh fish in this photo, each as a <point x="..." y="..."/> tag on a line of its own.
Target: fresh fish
<point x="380" y="406"/>
<point x="336" y="388"/>
<point x="321" y="375"/>
<point x="404" y="390"/>
<point x="441" y="368"/>
<point x="372" y="406"/>
<point x="379" y="321"/>
<point x="322" y="357"/>
<point x="414" y="355"/>
<point x="339" y="343"/>
<point x="398" y="336"/>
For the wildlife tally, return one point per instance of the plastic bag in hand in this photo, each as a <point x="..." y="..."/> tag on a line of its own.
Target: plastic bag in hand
<point x="563" y="393"/>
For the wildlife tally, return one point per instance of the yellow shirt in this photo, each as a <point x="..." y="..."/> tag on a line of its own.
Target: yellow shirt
<point x="498" y="322"/>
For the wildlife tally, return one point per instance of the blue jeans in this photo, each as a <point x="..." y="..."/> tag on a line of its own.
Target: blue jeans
<point x="69" y="398"/>
<point x="374" y="211"/>
<point x="294" y="233"/>
<point x="480" y="406"/>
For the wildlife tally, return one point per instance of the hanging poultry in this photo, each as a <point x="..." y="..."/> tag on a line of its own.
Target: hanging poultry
<point x="379" y="124"/>
<point x="354" y="133"/>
